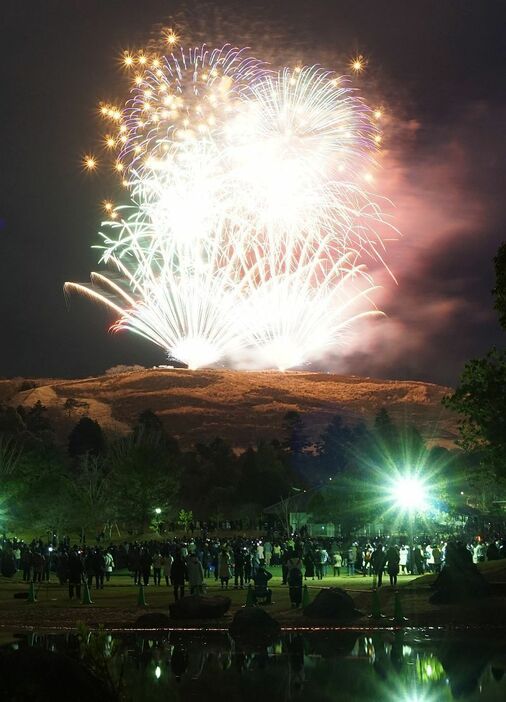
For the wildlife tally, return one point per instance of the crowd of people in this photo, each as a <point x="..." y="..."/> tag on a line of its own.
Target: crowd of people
<point x="187" y="564"/>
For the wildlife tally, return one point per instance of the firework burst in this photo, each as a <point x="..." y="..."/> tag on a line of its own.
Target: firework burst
<point x="248" y="217"/>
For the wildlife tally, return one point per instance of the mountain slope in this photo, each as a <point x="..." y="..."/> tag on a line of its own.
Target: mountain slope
<point x="242" y="407"/>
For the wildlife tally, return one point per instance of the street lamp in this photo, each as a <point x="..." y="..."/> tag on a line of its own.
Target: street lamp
<point x="158" y="510"/>
<point x="410" y="495"/>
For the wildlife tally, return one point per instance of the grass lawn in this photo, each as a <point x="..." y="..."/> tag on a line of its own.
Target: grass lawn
<point x="116" y="605"/>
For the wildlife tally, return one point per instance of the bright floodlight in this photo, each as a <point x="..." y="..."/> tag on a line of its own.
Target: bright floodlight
<point x="158" y="510"/>
<point x="410" y="494"/>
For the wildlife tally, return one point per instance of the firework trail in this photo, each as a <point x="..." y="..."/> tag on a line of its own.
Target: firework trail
<point x="249" y="217"/>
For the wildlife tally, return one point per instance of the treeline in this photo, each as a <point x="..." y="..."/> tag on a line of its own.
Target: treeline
<point x="98" y="479"/>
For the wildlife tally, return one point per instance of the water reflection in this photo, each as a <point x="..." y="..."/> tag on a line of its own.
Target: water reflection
<point x="395" y="666"/>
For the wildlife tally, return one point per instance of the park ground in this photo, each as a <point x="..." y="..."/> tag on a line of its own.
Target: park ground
<point x="116" y="606"/>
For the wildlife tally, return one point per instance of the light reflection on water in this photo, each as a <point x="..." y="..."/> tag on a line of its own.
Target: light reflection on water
<point x="394" y="666"/>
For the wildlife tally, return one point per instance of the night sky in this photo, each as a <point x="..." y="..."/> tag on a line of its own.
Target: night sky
<point x="438" y="67"/>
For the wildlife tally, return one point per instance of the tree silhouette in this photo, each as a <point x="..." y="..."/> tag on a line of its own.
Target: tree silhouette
<point x="86" y="437"/>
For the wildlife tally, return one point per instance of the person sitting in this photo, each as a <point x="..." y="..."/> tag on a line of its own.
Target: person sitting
<point x="261" y="591"/>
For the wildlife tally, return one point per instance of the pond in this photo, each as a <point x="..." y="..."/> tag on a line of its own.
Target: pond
<point x="410" y="665"/>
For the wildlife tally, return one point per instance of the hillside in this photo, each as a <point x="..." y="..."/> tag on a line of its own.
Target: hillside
<point x="240" y="406"/>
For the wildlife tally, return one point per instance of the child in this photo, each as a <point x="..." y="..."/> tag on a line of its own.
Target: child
<point x="338" y="562"/>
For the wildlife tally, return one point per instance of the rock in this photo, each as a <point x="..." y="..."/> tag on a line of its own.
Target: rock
<point x="7" y="565"/>
<point x="153" y="620"/>
<point x="253" y="622"/>
<point x="455" y="584"/>
<point x="332" y="603"/>
<point x="33" y="674"/>
<point x="200" y="607"/>
<point x="459" y="579"/>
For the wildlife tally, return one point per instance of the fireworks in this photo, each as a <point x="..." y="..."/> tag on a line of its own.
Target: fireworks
<point x="248" y="219"/>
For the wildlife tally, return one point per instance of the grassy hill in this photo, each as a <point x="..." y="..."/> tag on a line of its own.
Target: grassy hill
<point x="239" y="406"/>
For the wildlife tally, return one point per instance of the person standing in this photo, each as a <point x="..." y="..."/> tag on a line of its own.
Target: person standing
<point x="178" y="575"/>
<point x="76" y="573"/>
<point x="437" y="557"/>
<point x="324" y="559"/>
<point x="145" y="562"/>
<point x="99" y="569"/>
<point x="419" y="561"/>
<point x="157" y="568"/>
<point x="352" y="557"/>
<point x="319" y="563"/>
<point x="247" y="565"/>
<point x="337" y="564"/>
<point x="224" y="568"/>
<point x="294" y="579"/>
<point x="260" y="551"/>
<point x="403" y="559"/>
<point x="16" y="553"/>
<point x="26" y="563"/>
<point x="392" y="563"/>
<point x="89" y="568"/>
<point x="134" y="564"/>
<point x="167" y="561"/>
<point x="62" y="567"/>
<point x="195" y="574"/>
<point x="109" y="564"/>
<point x="38" y="566"/>
<point x="238" y="567"/>
<point x="309" y="564"/>
<point x="378" y="562"/>
<point x="267" y="553"/>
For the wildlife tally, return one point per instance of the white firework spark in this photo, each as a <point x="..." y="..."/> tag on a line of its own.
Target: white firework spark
<point x="249" y="216"/>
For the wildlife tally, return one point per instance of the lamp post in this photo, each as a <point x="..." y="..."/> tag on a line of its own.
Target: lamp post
<point x="158" y="512"/>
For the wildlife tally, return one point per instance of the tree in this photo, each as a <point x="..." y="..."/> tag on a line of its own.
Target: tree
<point x="210" y="478"/>
<point x="149" y="421"/>
<point x="11" y="421"/>
<point x="480" y="398"/>
<point x="336" y="446"/>
<point x="72" y="404"/>
<point x="500" y="284"/>
<point x="36" y="419"/>
<point x="294" y="433"/>
<point x="386" y="432"/>
<point x="185" y="518"/>
<point x="481" y="401"/>
<point x="264" y="479"/>
<point x="86" y="437"/>
<point x="88" y="495"/>
<point x="144" y="476"/>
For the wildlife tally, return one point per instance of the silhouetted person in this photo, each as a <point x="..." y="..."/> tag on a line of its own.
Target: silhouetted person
<point x="378" y="559"/>
<point x="177" y="575"/>
<point x="392" y="563"/>
<point x="76" y="572"/>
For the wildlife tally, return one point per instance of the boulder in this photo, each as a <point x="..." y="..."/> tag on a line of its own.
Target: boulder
<point x="153" y="620"/>
<point x="459" y="579"/>
<point x="332" y="603"/>
<point x="200" y="607"/>
<point x="455" y="584"/>
<point x="254" y="622"/>
<point x="7" y="565"/>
